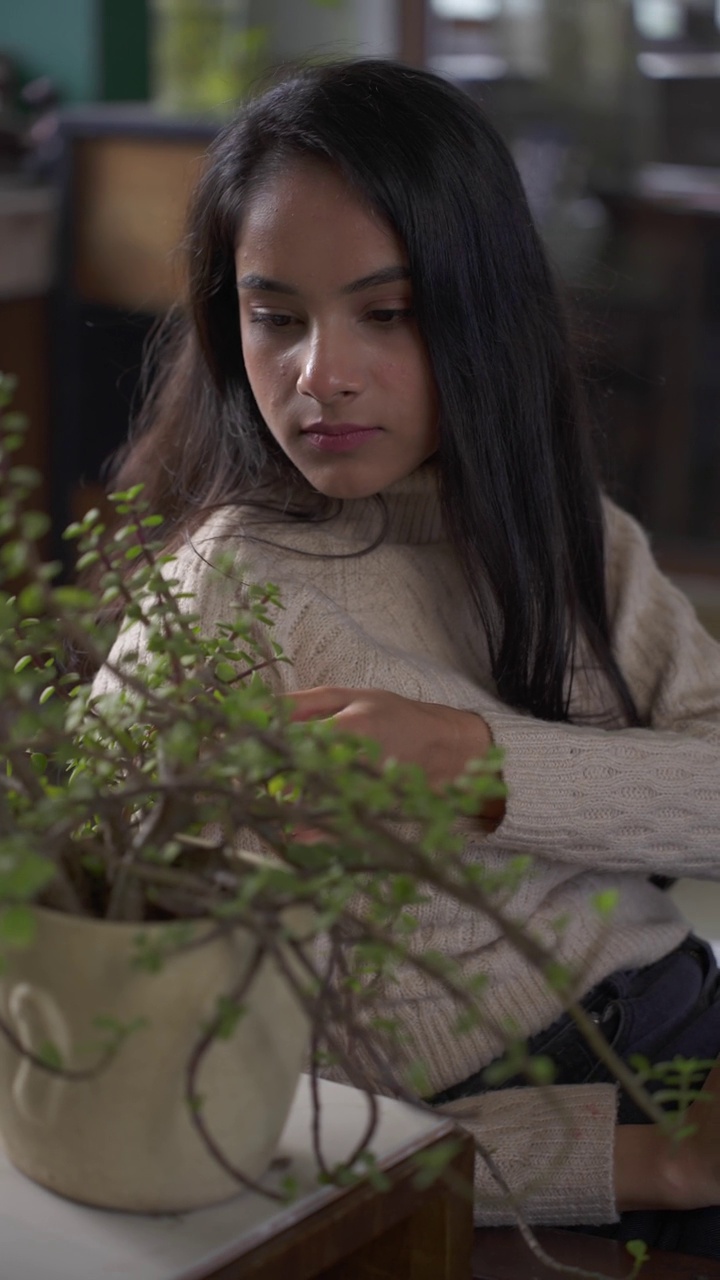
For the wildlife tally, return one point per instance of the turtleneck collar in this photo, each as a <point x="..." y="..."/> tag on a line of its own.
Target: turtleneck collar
<point x="409" y="511"/>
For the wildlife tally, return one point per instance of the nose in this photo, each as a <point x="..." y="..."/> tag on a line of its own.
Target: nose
<point x="330" y="366"/>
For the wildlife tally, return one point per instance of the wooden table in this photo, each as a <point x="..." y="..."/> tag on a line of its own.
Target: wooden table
<point x="501" y="1254"/>
<point x="326" y="1234"/>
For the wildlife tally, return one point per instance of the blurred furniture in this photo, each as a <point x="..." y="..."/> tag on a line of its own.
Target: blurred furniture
<point x="412" y="22"/>
<point x="501" y="1254"/>
<point x="326" y="1233"/>
<point x="27" y="233"/>
<point x="125" y="175"/>
<point x="655" y="321"/>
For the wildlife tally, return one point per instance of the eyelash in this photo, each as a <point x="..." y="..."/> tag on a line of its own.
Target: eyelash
<point x="280" y="320"/>
<point x="269" y="319"/>
<point x="394" y="314"/>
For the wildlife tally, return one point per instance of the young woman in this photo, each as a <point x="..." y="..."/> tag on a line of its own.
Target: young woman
<point x="373" y="402"/>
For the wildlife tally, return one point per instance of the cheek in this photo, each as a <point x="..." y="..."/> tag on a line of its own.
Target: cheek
<point x="412" y="378"/>
<point x="270" y="375"/>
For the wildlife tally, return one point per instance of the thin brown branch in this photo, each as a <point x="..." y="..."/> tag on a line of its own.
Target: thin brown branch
<point x="235" y="997"/>
<point x="65" y="1073"/>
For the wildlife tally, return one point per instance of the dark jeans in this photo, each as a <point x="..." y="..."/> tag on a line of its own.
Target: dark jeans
<point x="670" y="1008"/>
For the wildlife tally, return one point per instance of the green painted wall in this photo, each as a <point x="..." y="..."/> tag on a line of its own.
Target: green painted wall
<point x="125" y="51"/>
<point x="56" y="38"/>
<point x="92" y="49"/>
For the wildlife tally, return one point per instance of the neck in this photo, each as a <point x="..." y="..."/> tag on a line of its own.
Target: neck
<point x="408" y="511"/>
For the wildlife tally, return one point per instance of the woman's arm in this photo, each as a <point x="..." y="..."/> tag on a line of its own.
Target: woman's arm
<point x="605" y="798"/>
<point x="627" y="799"/>
<point x="441" y="739"/>
<point x="654" y="1172"/>
<point x="608" y="798"/>
<point x="562" y="1155"/>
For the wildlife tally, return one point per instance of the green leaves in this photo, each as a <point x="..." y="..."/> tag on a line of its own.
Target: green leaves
<point x="133" y="803"/>
<point x="228" y="1014"/>
<point x="605" y="903"/>
<point x="23" y="873"/>
<point x="638" y="1250"/>
<point x="51" y="1056"/>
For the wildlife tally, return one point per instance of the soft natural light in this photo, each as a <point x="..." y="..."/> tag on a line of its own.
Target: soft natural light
<point x="480" y="10"/>
<point x="661" y="19"/>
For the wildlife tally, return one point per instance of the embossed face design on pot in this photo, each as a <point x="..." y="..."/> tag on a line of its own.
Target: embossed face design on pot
<point x="335" y="361"/>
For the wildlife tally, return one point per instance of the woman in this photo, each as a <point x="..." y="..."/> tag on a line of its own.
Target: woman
<point x="374" y="403"/>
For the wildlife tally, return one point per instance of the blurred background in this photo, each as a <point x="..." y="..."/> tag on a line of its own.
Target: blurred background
<point x="611" y="107"/>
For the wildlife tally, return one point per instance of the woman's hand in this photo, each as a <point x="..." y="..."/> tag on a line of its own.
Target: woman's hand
<point x="653" y="1171"/>
<point x="441" y="739"/>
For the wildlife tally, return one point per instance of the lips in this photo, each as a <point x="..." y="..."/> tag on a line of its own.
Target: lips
<point x="342" y="437"/>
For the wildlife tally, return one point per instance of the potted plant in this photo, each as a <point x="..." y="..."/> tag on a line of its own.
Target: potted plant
<point x="159" y="988"/>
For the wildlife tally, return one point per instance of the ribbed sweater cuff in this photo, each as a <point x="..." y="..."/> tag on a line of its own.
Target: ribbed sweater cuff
<point x="557" y="1150"/>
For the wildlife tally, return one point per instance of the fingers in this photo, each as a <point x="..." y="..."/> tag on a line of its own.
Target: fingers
<point x="320" y="703"/>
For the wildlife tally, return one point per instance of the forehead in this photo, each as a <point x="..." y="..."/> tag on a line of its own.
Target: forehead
<point x="308" y="213"/>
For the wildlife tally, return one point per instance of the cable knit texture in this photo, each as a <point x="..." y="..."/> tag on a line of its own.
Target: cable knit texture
<point x="596" y="807"/>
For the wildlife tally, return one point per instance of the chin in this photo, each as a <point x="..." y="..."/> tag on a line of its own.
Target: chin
<point x="350" y="487"/>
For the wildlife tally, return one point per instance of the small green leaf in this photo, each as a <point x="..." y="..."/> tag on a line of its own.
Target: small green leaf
<point x="31" y="600"/>
<point x="558" y="975"/>
<point x="34" y="525"/>
<point x="418" y="1079"/>
<point x="606" y="902"/>
<point x="225" y="672"/>
<point x="74" y="530"/>
<point x="24" y="476"/>
<point x="637" y="1250"/>
<point x="432" y="1164"/>
<point x="542" y="1069"/>
<point x="88" y="558"/>
<point x="50" y="1055"/>
<point x="228" y="1016"/>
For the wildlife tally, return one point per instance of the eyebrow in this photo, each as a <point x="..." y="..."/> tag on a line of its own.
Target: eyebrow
<point x="386" y="275"/>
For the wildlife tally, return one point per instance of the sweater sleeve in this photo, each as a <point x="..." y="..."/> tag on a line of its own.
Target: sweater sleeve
<point x="553" y="1147"/>
<point x="208" y="589"/>
<point x="626" y="799"/>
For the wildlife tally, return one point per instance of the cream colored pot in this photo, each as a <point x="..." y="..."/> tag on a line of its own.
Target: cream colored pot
<point x="125" y="1139"/>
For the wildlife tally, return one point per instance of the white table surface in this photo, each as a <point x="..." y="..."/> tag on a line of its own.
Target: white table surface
<point x="44" y="1237"/>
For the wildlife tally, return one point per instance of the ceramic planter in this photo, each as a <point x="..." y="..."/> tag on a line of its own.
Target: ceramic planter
<point x="125" y="1139"/>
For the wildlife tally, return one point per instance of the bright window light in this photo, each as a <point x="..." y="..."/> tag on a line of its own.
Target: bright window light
<point x="661" y="19"/>
<point x="480" y="10"/>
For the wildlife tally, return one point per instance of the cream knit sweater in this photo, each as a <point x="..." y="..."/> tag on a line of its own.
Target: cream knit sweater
<point x="595" y="807"/>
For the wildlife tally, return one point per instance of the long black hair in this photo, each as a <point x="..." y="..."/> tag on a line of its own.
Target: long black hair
<point x="518" y="485"/>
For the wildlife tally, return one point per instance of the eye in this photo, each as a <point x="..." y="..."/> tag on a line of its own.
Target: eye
<point x="271" y="319"/>
<point x="390" y="315"/>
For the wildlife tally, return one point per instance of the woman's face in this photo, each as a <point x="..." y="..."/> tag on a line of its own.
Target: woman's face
<point x="335" y="361"/>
